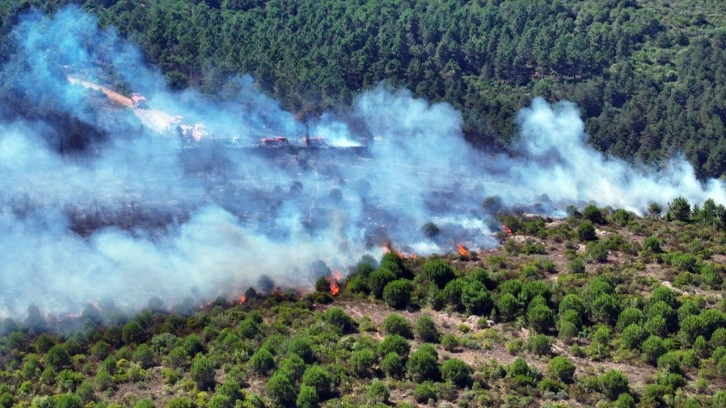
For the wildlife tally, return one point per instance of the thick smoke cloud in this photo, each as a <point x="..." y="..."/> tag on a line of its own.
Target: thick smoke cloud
<point x="140" y="213"/>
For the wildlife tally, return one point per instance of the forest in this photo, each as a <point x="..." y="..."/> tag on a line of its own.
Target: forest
<point x="648" y="76"/>
<point x="601" y="308"/>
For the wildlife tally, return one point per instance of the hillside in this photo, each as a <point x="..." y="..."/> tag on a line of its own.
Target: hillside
<point x="600" y="308"/>
<point x="648" y="76"/>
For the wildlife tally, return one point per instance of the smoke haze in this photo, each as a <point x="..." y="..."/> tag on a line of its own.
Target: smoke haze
<point x="133" y="212"/>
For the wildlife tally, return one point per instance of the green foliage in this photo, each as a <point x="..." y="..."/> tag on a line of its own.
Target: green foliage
<point x="476" y="299"/>
<point x="425" y="392"/>
<point x="586" y="231"/>
<point x="630" y="315"/>
<point x="593" y="214"/>
<point x="362" y="361"/>
<point x="68" y="401"/>
<point x="202" y="372"/>
<point x="262" y="362"/>
<point x="605" y="308"/>
<point x="449" y="342"/>
<point x="652" y="244"/>
<point x="320" y="379"/>
<point x="378" y="393"/>
<point x="425" y="329"/>
<point x="679" y="209"/>
<point x="393" y="365"/>
<point x="341" y="320"/>
<point x="633" y="336"/>
<point x="307" y="397"/>
<point x="539" y="344"/>
<point x="397" y="294"/>
<point x="613" y="383"/>
<point x="133" y="333"/>
<point x="43" y="343"/>
<point x="57" y="357"/>
<point x="457" y="372"/>
<point x="280" y="391"/>
<point x="394" y="344"/>
<point x="652" y="348"/>
<point x="540" y="318"/>
<point x="509" y="307"/>
<point x="378" y="280"/>
<point x="423" y="366"/>
<point x="562" y="369"/>
<point x="438" y="271"/>
<point x="397" y="324"/>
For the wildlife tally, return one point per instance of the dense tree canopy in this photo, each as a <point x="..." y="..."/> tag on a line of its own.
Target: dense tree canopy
<point x="649" y="77"/>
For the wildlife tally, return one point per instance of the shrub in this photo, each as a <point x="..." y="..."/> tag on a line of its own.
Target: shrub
<point x="133" y="333"/>
<point x="293" y="366"/>
<point x="573" y="302"/>
<point x="691" y="327"/>
<point x="68" y="401"/>
<point x="539" y="344"/>
<point x="475" y="298"/>
<point x="597" y="251"/>
<point x="302" y="347"/>
<point x="652" y="244"/>
<point x="718" y="338"/>
<point x="562" y="369"/>
<point x="378" y="392"/>
<point x="423" y="365"/>
<point x="378" y="280"/>
<point x="392" y="365"/>
<point x="280" y="391"/>
<point x="202" y="372"/>
<point x="652" y="348"/>
<point x="509" y="307"/>
<point x="144" y="356"/>
<point x="624" y="401"/>
<point x="425" y="392"/>
<point x="57" y="357"/>
<point x="394" y="343"/>
<point x="586" y="231"/>
<point x="104" y="380"/>
<point x="397" y="324"/>
<point x="425" y="329"/>
<point x="307" y="397"/>
<point x="519" y="367"/>
<point x="319" y="378"/>
<point x="438" y="271"/>
<point x="452" y="293"/>
<point x="362" y="361"/>
<point x="679" y="209"/>
<point x="262" y="362"/>
<point x="630" y="315"/>
<point x="341" y="320"/>
<point x="605" y="308"/>
<point x="633" y="336"/>
<point x="540" y="318"/>
<point x="397" y="294"/>
<point x="450" y="342"/>
<point x="613" y="383"/>
<point x="457" y="372"/>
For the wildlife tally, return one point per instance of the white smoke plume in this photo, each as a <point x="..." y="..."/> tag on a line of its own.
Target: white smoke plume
<point x="139" y="214"/>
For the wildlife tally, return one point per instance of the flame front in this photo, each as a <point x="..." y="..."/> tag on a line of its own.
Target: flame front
<point x="242" y="299"/>
<point x="333" y="279"/>
<point x="507" y="230"/>
<point x="463" y="251"/>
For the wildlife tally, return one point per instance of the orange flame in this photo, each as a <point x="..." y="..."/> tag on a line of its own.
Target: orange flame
<point x="388" y="248"/>
<point x="507" y="230"/>
<point x="242" y="299"/>
<point x="333" y="279"/>
<point x="463" y="251"/>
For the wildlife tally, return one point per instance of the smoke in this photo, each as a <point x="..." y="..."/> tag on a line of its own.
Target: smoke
<point x="135" y="212"/>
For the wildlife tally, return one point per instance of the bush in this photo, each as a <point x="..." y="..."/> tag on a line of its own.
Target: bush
<point x="394" y="343"/>
<point x="633" y="336"/>
<point x="562" y="369"/>
<point x="613" y="383"/>
<point x="144" y="356"/>
<point x="280" y="391"/>
<point x="307" y="397"/>
<point x="679" y="209"/>
<point x="450" y="342"/>
<point x="319" y="378"/>
<point x="397" y="324"/>
<point x="392" y="365"/>
<point x="509" y="307"/>
<point x="605" y="308"/>
<point x="630" y="315"/>
<point x="397" y="294"/>
<point x="519" y="367"/>
<point x="133" y="333"/>
<point x="438" y="271"/>
<point x="202" y="372"/>
<point x="423" y="366"/>
<point x="262" y="362"/>
<point x="597" y="251"/>
<point x="539" y="344"/>
<point x="652" y="348"/>
<point x="57" y="357"/>
<point x="68" y="401"/>
<point x="586" y="231"/>
<point x="378" y="280"/>
<point x="475" y="298"/>
<point x="653" y="245"/>
<point x="425" y="392"/>
<point x="457" y="372"/>
<point x="302" y="347"/>
<point x="425" y="329"/>
<point x="378" y="392"/>
<point x="341" y="320"/>
<point x="540" y="318"/>
<point x="362" y="361"/>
